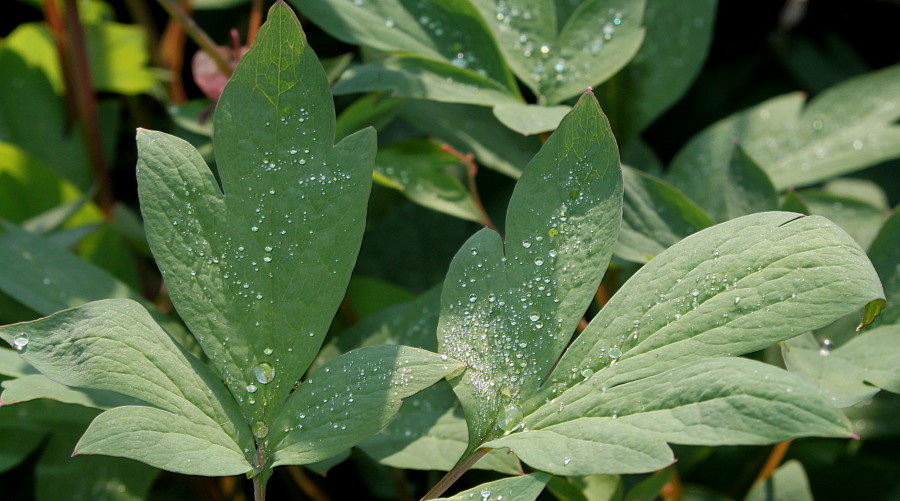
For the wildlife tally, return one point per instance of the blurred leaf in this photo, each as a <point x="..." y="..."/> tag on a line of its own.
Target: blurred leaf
<point x="375" y="110"/>
<point x="885" y="255"/>
<point x="670" y="58"/>
<point x="655" y="216"/>
<point x="741" y="188"/>
<point x="445" y="31"/>
<point x="474" y="129"/>
<point x="424" y="173"/>
<point x="857" y="217"/>
<point x="649" y="488"/>
<point x="818" y="63"/>
<point x="787" y="483"/>
<point x="846" y="128"/>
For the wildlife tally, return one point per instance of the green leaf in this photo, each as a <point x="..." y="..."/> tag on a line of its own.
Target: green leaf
<point x="655" y="216"/>
<point x="421" y="78"/>
<point x="34" y="386"/>
<point x="114" y="345"/>
<point x="520" y="488"/>
<point x="853" y="371"/>
<point x="787" y="483"/>
<point x="448" y="31"/>
<point x="846" y="128"/>
<point x="258" y="268"/>
<point x="530" y="119"/>
<point x="670" y="58"/>
<point x="474" y="129"/>
<point x="649" y="488"/>
<point x="509" y="309"/>
<point x="885" y="254"/>
<point x="350" y="398"/>
<point x="428" y="176"/>
<point x="28" y="186"/>
<point x="741" y="188"/>
<point x="559" y="62"/>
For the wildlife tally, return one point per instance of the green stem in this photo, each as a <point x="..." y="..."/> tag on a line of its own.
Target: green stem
<point x="454" y="474"/>
<point x="197" y="35"/>
<point x="259" y="488"/>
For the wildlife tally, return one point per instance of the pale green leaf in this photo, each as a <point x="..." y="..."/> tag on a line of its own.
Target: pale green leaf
<point x="51" y="279"/>
<point x="508" y="309"/>
<point x="559" y="62"/>
<point x="655" y="216"/>
<point x="449" y="31"/>
<point x="787" y="483"/>
<point x="671" y="56"/>
<point x="853" y="371"/>
<point x="846" y="128"/>
<point x="258" y="268"/>
<point x="521" y="488"/>
<point x="34" y="386"/>
<point x="528" y="119"/>
<point x="350" y="398"/>
<point x="421" y="78"/>
<point x="731" y="289"/>
<point x="114" y="345"/>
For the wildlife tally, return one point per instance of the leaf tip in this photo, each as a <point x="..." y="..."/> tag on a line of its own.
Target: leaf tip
<point x="74" y="453"/>
<point x="870" y="312"/>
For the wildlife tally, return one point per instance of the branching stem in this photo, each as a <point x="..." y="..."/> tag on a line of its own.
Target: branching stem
<point x="469" y="160"/>
<point x="454" y="474"/>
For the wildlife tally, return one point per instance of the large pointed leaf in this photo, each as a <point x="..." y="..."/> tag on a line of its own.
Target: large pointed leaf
<point x="559" y="60"/>
<point x="509" y="309"/>
<point x="114" y="345"/>
<point x="846" y="128"/>
<point x="258" y="267"/>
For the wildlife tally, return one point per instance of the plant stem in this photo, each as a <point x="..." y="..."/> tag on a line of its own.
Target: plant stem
<point x="171" y="55"/>
<point x="773" y="461"/>
<point x="454" y="474"/>
<point x="256" y="15"/>
<point x="469" y="160"/>
<point x="259" y="488"/>
<point x="81" y="92"/>
<point x="197" y="35"/>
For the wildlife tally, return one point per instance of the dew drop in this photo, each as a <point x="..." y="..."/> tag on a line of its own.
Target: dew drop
<point x="251" y="388"/>
<point x="260" y="429"/>
<point x="20" y="341"/>
<point x="615" y="353"/>
<point x="526" y="244"/>
<point x="268" y="351"/>
<point x="264" y="373"/>
<point x="254" y="228"/>
<point x="510" y="418"/>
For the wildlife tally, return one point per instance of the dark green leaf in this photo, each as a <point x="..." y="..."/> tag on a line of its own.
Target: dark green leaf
<point x="520" y="488"/>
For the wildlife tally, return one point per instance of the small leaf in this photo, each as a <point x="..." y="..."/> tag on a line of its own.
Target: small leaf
<point x="560" y="59"/>
<point x="521" y="488"/>
<point x="424" y="173"/>
<point x="825" y="138"/>
<point x="528" y="119"/>
<point x="350" y="398"/>
<point x="853" y="371"/>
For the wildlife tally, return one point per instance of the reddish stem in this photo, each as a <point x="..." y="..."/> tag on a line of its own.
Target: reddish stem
<point x="469" y="160"/>
<point x="775" y="458"/>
